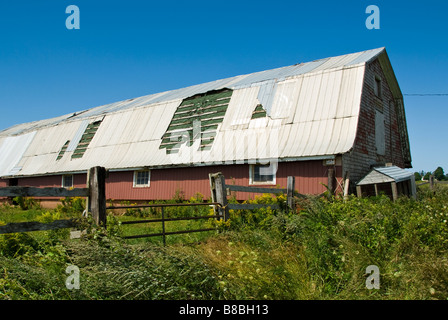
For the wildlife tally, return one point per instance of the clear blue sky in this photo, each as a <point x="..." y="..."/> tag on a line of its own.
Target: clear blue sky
<point x="127" y="49"/>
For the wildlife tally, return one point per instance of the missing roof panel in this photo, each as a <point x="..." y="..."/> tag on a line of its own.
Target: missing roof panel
<point x="63" y="149"/>
<point x="197" y="117"/>
<point x="259" y="112"/>
<point x="86" y="138"/>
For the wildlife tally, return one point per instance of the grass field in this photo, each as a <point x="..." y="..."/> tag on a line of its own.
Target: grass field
<point x="319" y="252"/>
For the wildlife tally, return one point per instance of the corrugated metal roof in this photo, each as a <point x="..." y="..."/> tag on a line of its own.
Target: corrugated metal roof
<point x="385" y="174"/>
<point x="312" y="111"/>
<point x="12" y="150"/>
<point x="75" y="140"/>
<point x="395" y="173"/>
<point x="237" y="82"/>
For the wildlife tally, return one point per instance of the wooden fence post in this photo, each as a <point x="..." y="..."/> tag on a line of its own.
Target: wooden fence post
<point x="219" y="193"/>
<point x="431" y="182"/>
<point x="211" y="178"/>
<point x="331" y="181"/>
<point x="346" y="185"/>
<point x="96" y="203"/>
<point x="290" y="191"/>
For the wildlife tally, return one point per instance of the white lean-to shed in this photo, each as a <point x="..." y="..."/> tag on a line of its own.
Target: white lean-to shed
<point x="391" y="180"/>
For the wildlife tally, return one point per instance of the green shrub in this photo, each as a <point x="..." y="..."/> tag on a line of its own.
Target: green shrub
<point x="341" y="238"/>
<point x="55" y="235"/>
<point x="72" y="206"/>
<point x="321" y="251"/>
<point x="257" y="218"/>
<point x="120" y="271"/>
<point x="26" y="203"/>
<point x="20" y="280"/>
<point x="16" y="244"/>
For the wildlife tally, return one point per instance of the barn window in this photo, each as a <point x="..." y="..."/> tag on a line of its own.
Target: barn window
<point x="380" y="133"/>
<point x="141" y="178"/>
<point x="262" y="174"/>
<point x="377" y="87"/>
<point x="67" y="181"/>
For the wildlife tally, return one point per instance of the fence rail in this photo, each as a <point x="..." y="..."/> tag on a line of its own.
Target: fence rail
<point x="43" y="192"/>
<point x="255" y="189"/>
<point x="219" y="192"/>
<point x="94" y="192"/>
<point x="251" y="206"/>
<point x="170" y="219"/>
<point x="154" y="205"/>
<point x="36" y="226"/>
<point x="96" y="203"/>
<point x="432" y="182"/>
<point x="164" y="234"/>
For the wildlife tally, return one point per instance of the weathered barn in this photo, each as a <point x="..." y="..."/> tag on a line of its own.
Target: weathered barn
<point x="344" y="113"/>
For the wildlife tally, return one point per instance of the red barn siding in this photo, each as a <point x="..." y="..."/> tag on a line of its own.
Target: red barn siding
<point x="79" y="181"/>
<point x="309" y="175"/>
<point x="164" y="182"/>
<point x="3" y="183"/>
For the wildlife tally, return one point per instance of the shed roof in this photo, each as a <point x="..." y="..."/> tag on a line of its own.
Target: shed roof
<point x="311" y="109"/>
<point x="385" y="174"/>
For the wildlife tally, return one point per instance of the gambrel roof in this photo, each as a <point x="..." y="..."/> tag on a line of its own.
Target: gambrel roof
<point x="304" y="111"/>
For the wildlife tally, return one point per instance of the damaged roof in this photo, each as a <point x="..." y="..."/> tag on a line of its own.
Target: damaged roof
<point x="268" y="78"/>
<point x="308" y="110"/>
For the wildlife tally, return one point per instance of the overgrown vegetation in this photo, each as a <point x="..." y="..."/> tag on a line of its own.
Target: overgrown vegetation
<point x="320" y="251"/>
<point x="172" y="212"/>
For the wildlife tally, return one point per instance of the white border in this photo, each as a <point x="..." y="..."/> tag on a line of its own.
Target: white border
<point x="134" y="182"/>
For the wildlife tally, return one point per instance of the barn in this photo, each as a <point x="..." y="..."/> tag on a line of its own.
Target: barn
<point x="340" y="115"/>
